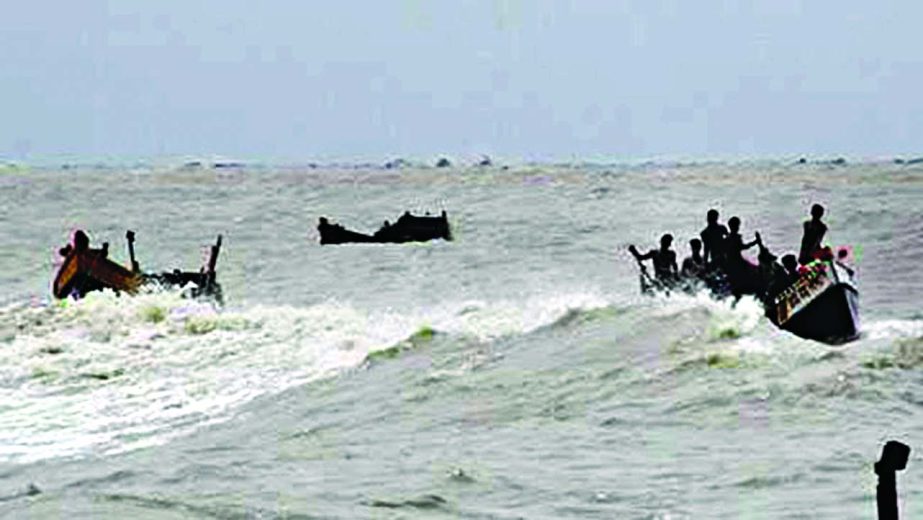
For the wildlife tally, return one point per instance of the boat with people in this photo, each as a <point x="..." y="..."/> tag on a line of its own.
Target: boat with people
<point x="814" y="295"/>
<point x="407" y="228"/>
<point x="86" y="269"/>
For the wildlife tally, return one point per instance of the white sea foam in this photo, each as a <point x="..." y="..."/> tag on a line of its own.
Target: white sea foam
<point x="109" y="374"/>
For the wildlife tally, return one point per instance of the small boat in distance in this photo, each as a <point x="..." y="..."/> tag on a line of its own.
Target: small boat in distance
<point x="408" y="228"/>
<point x="86" y="269"/>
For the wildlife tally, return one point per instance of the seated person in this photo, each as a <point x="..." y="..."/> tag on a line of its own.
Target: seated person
<point x="773" y="276"/>
<point x="790" y="262"/>
<point x="694" y="266"/>
<point x="385" y="226"/>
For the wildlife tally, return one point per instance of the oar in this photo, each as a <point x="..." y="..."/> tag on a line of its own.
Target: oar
<point x="644" y="275"/>
<point x="130" y="236"/>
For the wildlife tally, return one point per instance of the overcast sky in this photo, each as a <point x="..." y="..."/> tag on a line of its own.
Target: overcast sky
<point x="530" y="79"/>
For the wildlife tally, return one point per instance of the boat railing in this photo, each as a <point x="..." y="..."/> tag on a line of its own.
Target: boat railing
<point x="803" y="291"/>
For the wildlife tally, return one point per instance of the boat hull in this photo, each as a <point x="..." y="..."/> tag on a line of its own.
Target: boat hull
<point x="333" y="235"/>
<point x="408" y="228"/>
<point x="822" y="306"/>
<point x="89" y="270"/>
<point x="833" y="317"/>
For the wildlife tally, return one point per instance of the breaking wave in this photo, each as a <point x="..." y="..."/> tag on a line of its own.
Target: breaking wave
<point x="110" y="374"/>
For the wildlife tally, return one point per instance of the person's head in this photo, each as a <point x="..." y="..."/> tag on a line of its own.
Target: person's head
<point x="712" y="216"/>
<point x="790" y="262"/>
<point x="696" y="245"/>
<point x="734" y="224"/>
<point x="323" y="221"/>
<point x="81" y="240"/>
<point x="817" y="211"/>
<point x="666" y="240"/>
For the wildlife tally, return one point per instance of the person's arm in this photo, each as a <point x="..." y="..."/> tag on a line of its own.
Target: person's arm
<point x="705" y="249"/>
<point x="638" y="256"/>
<point x="748" y="245"/>
<point x="675" y="268"/>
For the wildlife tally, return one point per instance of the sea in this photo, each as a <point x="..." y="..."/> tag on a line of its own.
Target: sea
<point x="513" y="372"/>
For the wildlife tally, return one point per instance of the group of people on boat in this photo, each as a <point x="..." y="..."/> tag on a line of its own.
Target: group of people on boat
<point x="717" y="262"/>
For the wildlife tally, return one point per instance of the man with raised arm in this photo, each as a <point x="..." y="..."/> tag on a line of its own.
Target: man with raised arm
<point x="664" y="260"/>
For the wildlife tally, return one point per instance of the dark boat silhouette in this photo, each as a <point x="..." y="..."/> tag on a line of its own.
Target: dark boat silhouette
<point x="85" y="270"/>
<point x="407" y="228"/>
<point x="821" y="305"/>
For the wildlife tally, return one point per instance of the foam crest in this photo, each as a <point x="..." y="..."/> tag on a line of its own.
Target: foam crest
<point x="490" y="320"/>
<point x="109" y="374"/>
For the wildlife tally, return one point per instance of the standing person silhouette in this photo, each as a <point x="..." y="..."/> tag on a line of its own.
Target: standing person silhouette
<point x="743" y="275"/>
<point x="735" y="245"/>
<point x="713" y="240"/>
<point x="814" y="231"/>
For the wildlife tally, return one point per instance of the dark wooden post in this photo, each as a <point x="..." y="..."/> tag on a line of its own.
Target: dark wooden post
<point x="894" y="457"/>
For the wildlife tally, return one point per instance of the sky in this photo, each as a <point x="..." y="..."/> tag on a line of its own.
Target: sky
<point x="530" y="79"/>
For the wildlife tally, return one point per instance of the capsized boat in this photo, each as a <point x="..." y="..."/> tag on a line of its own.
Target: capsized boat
<point x="407" y="228"/>
<point x="823" y="304"/>
<point x="86" y="269"/>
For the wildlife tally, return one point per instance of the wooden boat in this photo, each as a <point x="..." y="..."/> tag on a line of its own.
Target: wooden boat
<point x="85" y="270"/>
<point x="408" y="228"/>
<point x="822" y="305"/>
<point x="89" y="270"/>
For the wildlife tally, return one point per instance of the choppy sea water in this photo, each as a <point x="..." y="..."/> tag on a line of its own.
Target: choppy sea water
<point x="512" y="373"/>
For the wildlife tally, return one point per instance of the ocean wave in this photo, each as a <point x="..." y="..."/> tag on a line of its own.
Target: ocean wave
<point x="109" y="374"/>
